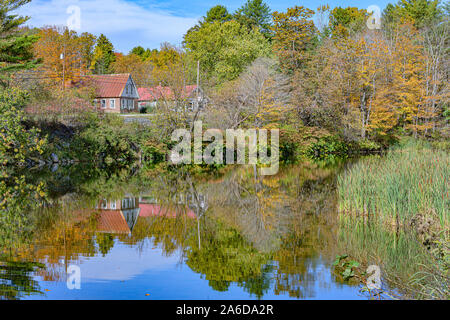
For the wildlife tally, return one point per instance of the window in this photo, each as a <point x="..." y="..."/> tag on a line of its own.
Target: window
<point x="113" y="205"/>
<point x="103" y="103"/>
<point x="112" y="103"/>
<point x="128" y="203"/>
<point x="122" y="104"/>
<point x="130" y="104"/>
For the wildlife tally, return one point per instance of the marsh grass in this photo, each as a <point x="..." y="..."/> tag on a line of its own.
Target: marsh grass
<point x="408" y="269"/>
<point x="411" y="179"/>
<point x="380" y="199"/>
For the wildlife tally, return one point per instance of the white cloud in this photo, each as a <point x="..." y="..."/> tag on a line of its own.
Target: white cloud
<point x="126" y="24"/>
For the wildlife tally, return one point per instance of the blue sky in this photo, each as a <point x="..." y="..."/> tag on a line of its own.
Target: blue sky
<point x="129" y="23"/>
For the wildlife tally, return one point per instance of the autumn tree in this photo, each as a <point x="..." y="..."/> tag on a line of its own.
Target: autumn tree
<point x="293" y="34"/>
<point x="435" y="39"/>
<point x="65" y="55"/>
<point x="408" y="85"/>
<point x="140" y="70"/>
<point x="257" y="98"/>
<point x="172" y="78"/>
<point x="167" y="55"/>
<point x="87" y="43"/>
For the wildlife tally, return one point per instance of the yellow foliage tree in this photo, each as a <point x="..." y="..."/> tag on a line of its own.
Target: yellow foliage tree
<point x="63" y="55"/>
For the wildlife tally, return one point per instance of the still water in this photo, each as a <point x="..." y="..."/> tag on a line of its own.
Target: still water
<point x="173" y="235"/>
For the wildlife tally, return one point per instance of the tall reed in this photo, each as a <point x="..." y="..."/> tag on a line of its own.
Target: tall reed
<point x="411" y="179"/>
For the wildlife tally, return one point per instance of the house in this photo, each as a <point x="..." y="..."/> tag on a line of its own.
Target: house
<point x="115" y="93"/>
<point x="149" y="97"/>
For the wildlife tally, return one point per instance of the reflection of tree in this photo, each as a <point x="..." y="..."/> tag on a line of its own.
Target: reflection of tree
<point x="16" y="279"/>
<point x="168" y="233"/>
<point x="59" y="233"/>
<point x="290" y="215"/>
<point x="253" y="205"/>
<point x="105" y="242"/>
<point x="260" y="285"/>
<point x="261" y="233"/>
<point x="18" y="197"/>
<point x="225" y="256"/>
<point x="312" y="230"/>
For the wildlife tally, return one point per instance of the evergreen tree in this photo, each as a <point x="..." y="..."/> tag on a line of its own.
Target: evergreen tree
<point x="103" y="56"/>
<point x="139" y="51"/>
<point x="15" y="44"/>
<point x="217" y="13"/>
<point x="255" y="13"/>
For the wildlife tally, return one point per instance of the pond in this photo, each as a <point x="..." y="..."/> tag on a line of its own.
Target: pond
<point x="173" y="235"/>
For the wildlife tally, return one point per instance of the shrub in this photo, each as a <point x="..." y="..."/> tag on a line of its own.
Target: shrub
<point x="327" y="147"/>
<point x="17" y="143"/>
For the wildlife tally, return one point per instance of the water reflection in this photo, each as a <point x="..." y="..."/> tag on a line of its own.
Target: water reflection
<point x="241" y="234"/>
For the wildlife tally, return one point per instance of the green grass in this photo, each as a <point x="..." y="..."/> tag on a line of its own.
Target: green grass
<point x="411" y="179"/>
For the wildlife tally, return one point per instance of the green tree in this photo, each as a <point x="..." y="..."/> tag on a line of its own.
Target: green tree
<point x="105" y="243"/>
<point x="344" y="21"/>
<point x="225" y="49"/>
<point x="225" y="257"/>
<point x="15" y="43"/>
<point x="139" y="51"/>
<point x="218" y="13"/>
<point x="17" y="279"/>
<point x="255" y="13"/>
<point x="420" y="12"/>
<point x="103" y="56"/>
<point x="16" y="142"/>
<point x="144" y="54"/>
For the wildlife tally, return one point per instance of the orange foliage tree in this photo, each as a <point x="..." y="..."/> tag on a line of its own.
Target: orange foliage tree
<point x="65" y="55"/>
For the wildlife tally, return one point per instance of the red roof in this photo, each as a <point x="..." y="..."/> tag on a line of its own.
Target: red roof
<point x="110" y="85"/>
<point x="159" y="92"/>
<point x="153" y="210"/>
<point x="112" y="221"/>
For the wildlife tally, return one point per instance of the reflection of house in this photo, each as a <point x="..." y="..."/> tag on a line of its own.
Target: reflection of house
<point x="191" y="96"/>
<point x="119" y="216"/>
<point x="154" y="210"/>
<point x="115" y="93"/>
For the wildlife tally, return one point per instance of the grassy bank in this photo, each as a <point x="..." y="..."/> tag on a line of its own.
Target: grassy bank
<point x="411" y="179"/>
<point x="394" y="213"/>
